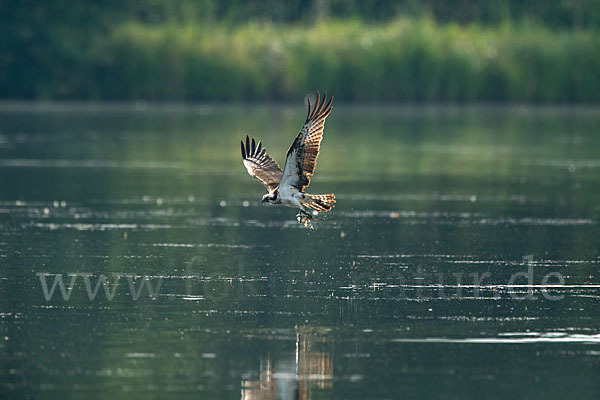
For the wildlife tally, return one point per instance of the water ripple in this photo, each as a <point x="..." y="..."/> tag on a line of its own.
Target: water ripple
<point x="511" y="338"/>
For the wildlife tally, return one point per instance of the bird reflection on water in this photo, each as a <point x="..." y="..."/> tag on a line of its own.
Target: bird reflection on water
<point x="312" y="368"/>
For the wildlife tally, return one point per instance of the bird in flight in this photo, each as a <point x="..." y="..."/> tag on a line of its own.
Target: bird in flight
<point x="287" y="187"/>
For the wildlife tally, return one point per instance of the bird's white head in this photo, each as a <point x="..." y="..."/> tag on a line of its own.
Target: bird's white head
<point x="269" y="198"/>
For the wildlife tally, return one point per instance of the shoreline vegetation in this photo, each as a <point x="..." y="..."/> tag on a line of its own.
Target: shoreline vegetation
<point x="402" y="61"/>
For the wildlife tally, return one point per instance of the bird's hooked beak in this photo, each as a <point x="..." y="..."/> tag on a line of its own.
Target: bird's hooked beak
<point x="268" y="199"/>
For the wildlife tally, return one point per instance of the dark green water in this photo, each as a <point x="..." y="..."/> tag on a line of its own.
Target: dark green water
<point x="462" y="259"/>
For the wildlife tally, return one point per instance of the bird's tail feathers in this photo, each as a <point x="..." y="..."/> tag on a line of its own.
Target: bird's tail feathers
<point x="321" y="202"/>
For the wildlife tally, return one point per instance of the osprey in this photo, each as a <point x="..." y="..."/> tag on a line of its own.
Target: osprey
<point x="287" y="187"/>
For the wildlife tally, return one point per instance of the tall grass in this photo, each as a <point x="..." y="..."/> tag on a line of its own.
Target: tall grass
<point x="406" y="60"/>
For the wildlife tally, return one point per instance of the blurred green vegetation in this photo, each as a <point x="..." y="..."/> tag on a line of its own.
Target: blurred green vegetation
<point x="379" y="50"/>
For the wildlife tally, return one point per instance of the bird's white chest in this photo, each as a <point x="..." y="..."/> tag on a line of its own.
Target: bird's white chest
<point x="290" y="196"/>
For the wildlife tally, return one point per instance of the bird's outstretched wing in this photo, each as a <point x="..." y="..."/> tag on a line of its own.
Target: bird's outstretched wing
<point x="302" y="155"/>
<point x="260" y="165"/>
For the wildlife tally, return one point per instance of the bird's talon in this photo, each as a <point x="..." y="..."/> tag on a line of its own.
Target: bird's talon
<point x="304" y="218"/>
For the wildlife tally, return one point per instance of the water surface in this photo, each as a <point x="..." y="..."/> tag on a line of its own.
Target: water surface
<point x="461" y="260"/>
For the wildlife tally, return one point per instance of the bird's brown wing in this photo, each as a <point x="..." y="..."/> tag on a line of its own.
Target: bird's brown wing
<point x="302" y="155"/>
<point x="260" y="165"/>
